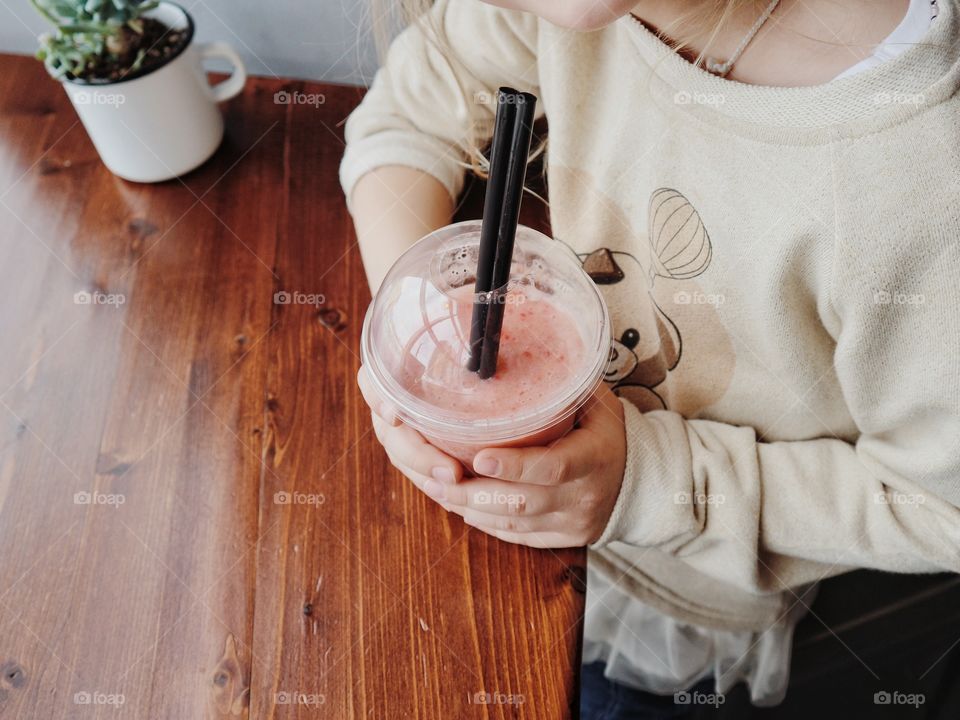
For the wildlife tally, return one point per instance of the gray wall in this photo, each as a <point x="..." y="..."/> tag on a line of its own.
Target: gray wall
<point x="326" y="40"/>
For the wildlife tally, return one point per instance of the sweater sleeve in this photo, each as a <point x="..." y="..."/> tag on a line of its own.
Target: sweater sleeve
<point x="435" y="94"/>
<point x="771" y="515"/>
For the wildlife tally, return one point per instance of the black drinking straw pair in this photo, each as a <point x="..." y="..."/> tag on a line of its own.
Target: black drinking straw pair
<point x="512" y="130"/>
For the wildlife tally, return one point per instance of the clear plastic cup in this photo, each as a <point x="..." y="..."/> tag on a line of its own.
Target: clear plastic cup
<point x="553" y="349"/>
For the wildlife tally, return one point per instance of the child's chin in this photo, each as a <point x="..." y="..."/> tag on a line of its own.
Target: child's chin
<point x="586" y="15"/>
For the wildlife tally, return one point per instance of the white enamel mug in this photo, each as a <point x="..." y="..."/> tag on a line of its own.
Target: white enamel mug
<point x="164" y="122"/>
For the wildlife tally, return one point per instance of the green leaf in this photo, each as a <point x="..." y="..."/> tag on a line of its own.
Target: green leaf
<point x="91" y="28"/>
<point x="141" y="56"/>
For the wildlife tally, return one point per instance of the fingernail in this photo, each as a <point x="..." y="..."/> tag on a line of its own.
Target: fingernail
<point x="487" y="466"/>
<point x="433" y="489"/>
<point x="443" y="474"/>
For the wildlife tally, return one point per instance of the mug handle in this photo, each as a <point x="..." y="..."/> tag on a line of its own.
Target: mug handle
<point x="232" y="85"/>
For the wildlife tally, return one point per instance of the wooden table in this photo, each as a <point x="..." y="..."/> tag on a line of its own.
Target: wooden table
<point x="195" y="516"/>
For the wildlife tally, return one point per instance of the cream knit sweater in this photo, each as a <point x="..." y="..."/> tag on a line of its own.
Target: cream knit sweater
<point x="781" y="269"/>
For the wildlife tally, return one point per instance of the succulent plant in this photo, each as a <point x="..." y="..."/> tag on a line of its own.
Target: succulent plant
<point x="87" y="31"/>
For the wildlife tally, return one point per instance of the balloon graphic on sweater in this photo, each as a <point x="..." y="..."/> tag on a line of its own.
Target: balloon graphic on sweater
<point x="681" y="246"/>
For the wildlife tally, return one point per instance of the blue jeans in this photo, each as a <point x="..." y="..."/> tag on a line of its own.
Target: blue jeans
<point x="603" y="699"/>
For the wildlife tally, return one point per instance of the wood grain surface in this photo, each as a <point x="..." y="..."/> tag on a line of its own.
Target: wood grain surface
<point x="196" y="520"/>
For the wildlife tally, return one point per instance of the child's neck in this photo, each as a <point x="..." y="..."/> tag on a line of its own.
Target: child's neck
<point x="803" y="43"/>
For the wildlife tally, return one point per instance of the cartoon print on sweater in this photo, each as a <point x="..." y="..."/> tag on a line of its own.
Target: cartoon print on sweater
<point x="641" y="357"/>
<point x="658" y="271"/>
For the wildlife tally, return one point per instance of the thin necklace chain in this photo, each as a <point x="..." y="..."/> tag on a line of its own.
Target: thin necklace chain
<point x="723" y="68"/>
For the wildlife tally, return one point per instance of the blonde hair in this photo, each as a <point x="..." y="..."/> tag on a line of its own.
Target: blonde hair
<point x="703" y="22"/>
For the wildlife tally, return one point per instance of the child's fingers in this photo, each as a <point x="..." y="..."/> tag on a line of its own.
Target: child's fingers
<point x="505" y="523"/>
<point x="408" y="448"/>
<point x="496" y="497"/>
<point x="530" y="539"/>
<point x="418" y="481"/>
<point x="555" y="464"/>
<point x="378" y="404"/>
<point x="574" y="455"/>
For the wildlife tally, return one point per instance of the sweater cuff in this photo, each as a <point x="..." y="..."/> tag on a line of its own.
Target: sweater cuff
<point x="396" y="147"/>
<point x="655" y="505"/>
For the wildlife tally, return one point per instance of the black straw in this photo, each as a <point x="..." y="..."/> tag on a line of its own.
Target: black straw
<point x="522" y="131"/>
<point x="492" y="212"/>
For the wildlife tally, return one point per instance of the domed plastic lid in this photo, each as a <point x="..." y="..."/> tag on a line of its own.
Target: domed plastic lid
<point x="553" y="347"/>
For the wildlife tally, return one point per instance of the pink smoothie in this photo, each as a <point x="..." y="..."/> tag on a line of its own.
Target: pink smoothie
<point x="541" y="355"/>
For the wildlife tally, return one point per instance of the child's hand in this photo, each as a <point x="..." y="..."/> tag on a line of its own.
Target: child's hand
<point x="556" y="496"/>
<point x="408" y="451"/>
